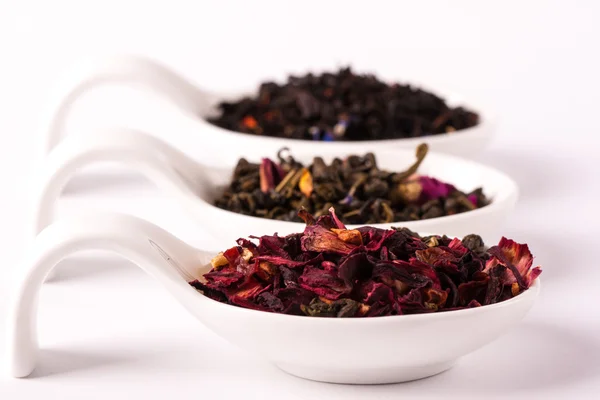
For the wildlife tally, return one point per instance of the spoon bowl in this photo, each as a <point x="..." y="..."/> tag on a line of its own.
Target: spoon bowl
<point x="205" y="139"/>
<point x="340" y="350"/>
<point x="196" y="186"/>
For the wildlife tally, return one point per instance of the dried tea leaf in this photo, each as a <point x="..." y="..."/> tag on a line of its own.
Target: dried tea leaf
<point x="361" y="192"/>
<point x="342" y="106"/>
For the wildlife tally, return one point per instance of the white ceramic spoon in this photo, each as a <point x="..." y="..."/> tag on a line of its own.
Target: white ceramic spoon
<point x="392" y="349"/>
<point x="149" y="75"/>
<point x="196" y="186"/>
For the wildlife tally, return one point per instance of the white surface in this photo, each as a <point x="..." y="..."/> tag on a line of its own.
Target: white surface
<point x="194" y="185"/>
<point x="116" y="334"/>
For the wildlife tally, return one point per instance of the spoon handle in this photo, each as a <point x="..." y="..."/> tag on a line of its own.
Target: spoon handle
<point x="130" y="70"/>
<point x="157" y="252"/>
<point x="165" y="166"/>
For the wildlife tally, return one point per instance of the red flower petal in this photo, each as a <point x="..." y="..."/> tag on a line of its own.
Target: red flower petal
<point x="323" y="283"/>
<point x="336" y="220"/>
<point x="432" y="188"/>
<point x="270" y="175"/>
<point x="517" y="258"/>
<point x="290" y="263"/>
<point x="331" y="271"/>
<point x="320" y="239"/>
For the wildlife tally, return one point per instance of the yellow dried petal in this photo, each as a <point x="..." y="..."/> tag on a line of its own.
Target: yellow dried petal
<point x="267" y="267"/>
<point x="247" y="254"/>
<point x="306" y="183"/>
<point x="219" y="261"/>
<point x="514" y="288"/>
<point x="363" y="309"/>
<point x="433" y="242"/>
<point x="325" y="300"/>
<point x="351" y="236"/>
<point x="401" y="287"/>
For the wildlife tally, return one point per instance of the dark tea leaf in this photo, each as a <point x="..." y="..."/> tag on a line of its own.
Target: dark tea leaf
<point x="342" y="106"/>
<point x="361" y="192"/>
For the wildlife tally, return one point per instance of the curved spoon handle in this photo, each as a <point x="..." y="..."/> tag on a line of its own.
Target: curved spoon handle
<point x="162" y="164"/>
<point x="156" y="251"/>
<point x="123" y="69"/>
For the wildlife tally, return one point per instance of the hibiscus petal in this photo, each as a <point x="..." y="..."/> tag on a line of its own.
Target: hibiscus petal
<point x="320" y="239"/>
<point x="355" y="267"/>
<point x="276" y="260"/>
<point x="517" y="258"/>
<point x="436" y="257"/>
<point x="328" y="270"/>
<point x="336" y="220"/>
<point x="323" y="283"/>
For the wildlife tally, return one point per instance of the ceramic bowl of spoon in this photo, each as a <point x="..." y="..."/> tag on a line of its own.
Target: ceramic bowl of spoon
<point x="203" y="139"/>
<point x="400" y="347"/>
<point x="195" y="186"/>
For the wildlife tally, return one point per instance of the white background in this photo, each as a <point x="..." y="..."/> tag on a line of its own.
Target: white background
<point x="113" y="333"/>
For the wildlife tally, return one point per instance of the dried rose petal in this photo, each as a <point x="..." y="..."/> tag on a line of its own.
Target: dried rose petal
<point x="270" y="175"/>
<point x="473" y="199"/>
<point x="432" y="188"/>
